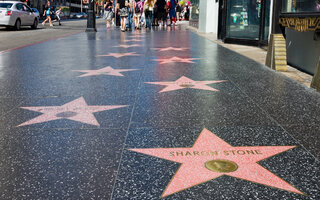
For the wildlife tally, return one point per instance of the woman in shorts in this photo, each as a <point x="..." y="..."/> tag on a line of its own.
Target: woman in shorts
<point x="108" y="13"/>
<point x="47" y="13"/>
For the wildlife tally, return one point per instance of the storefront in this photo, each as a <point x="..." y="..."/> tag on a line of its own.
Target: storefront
<point x="301" y="20"/>
<point x="244" y="21"/>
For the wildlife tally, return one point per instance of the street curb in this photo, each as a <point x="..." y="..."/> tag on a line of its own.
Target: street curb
<point x="55" y="38"/>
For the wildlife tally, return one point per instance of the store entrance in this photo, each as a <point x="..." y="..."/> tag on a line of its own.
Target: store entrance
<point x="244" y="21"/>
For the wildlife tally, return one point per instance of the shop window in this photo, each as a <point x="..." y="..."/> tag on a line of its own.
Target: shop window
<point x="194" y="9"/>
<point x="243" y="19"/>
<point x="294" y="6"/>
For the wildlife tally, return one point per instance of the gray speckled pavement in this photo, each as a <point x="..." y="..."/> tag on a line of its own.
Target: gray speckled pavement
<point x="162" y="114"/>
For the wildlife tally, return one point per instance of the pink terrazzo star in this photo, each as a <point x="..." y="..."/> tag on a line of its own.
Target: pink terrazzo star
<point x="209" y="147"/>
<point x="76" y="110"/>
<point x="119" y="55"/>
<point x="175" y="59"/>
<point x="185" y="82"/>
<point x="128" y="46"/>
<point x="133" y="40"/>
<point x="104" y="71"/>
<point x="137" y="35"/>
<point x="170" y="49"/>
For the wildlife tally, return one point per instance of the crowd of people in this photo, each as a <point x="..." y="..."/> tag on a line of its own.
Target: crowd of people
<point x="145" y="13"/>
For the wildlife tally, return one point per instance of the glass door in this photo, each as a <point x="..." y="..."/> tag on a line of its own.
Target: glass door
<point x="266" y="23"/>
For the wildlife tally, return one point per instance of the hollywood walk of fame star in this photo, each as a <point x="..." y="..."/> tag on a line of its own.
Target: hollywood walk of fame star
<point x="210" y="157"/>
<point x="104" y="71"/>
<point x="76" y="110"/>
<point x="170" y="49"/>
<point x="137" y="35"/>
<point x="185" y="82"/>
<point x="119" y="55"/>
<point x="133" y="40"/>
<point x="128" y="46"/>
<point x="175" y="59"/>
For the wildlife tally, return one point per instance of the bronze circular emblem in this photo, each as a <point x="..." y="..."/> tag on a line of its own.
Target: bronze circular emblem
<point x="221" y="166"/>
<point x="186" y="85"/>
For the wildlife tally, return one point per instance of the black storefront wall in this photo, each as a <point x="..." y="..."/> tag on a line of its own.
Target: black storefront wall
<point x="303" y="50"/>
<point x="244" y="21"/>
<point x="301" y="20"/>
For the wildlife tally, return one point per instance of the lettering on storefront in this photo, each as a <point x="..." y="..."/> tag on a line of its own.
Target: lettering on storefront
<point x="301" y="24"/>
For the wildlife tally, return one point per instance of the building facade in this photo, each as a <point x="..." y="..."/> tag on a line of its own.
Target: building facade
<point x="250" y="22"/>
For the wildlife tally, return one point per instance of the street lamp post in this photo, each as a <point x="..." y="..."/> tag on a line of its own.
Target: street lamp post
<point x="91" y="21"/>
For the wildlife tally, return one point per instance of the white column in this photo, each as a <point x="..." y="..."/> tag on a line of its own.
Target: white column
<point x="208" y="16"/>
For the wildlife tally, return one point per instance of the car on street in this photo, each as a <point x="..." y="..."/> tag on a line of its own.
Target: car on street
<point x="16" y="14"/>
<point x="36" y="12"/>
<point x="81" y="15"/>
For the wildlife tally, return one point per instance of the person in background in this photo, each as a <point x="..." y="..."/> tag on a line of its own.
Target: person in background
<point x="172" y="12"/>
<point x="178" y="11"/>
<point x="130" y="16"/>
<point x="122" y="6"/>
<point x="155" y="15"/>
<point x="58" y="13"/>
<point x="143" y="16"/>
<point x="47" y="11"/>
<point x="188" y="13"/>
<point x="148" y="8"/>
<point x="137" y="13"/>
<point x="113" y="13"/>
<point x="108" y="13"/>
<point x="162" y="14"/>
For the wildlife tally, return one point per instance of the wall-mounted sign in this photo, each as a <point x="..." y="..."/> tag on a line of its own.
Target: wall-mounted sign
<point x="301" y="24"/>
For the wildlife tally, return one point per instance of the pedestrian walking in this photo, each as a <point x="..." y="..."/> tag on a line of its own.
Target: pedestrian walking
<point x="108" y="13"/>
<point x="130" y="15"/>
<point x="155" y="15"/>
<point x="113" y="13"/>
<point x="178" y="11"/>
<point x="184" y="12"/>
<point x="172" y="12"/>
<point x="137" y="13"/>
<point x="162" y="14"/>
<point x="58" y="13"/>
<point x="122" y="6"/>
<point x="47" y="12"/>
<point x="143" y="16"/>
<point x="188" y="12"/>
<point x="148" y="8"/>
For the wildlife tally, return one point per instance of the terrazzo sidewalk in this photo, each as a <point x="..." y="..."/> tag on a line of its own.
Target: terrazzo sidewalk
<point x="161" y="114"/>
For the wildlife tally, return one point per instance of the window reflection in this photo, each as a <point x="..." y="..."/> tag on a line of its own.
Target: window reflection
<point x="243" y="20"/>
<point x="295" y="6"/>
<point x="194" y="9"/>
